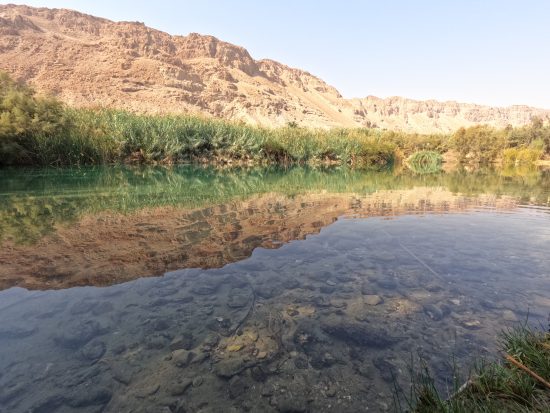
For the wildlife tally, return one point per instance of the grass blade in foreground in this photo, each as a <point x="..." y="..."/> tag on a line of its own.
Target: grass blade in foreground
<point x="496" y="386"/>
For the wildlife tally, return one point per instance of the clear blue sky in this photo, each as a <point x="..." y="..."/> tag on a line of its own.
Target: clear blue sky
<point x="485" y="51"/>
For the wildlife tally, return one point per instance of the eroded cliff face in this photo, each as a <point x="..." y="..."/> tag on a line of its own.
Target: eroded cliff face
<point x="89" y="61"/>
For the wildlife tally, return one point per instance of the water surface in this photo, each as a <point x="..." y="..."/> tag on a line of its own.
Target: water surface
<point x="191" y="289"/>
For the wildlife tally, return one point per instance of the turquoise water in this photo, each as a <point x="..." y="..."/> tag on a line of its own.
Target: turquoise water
<point x="200" y="290"/>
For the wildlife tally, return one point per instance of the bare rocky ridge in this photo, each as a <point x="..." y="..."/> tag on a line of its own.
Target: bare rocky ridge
<point x="89" y="61"/>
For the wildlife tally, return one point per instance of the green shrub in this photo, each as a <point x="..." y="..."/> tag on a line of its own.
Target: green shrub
<point x="411" y="143"/>
<point x="521" y="155"/>
<point x="24" y="117"/>
<point x="509" y="155"/>
<point x="478" y="144"/>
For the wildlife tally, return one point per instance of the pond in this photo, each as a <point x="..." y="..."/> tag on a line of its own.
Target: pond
<point x="191" y="289"/>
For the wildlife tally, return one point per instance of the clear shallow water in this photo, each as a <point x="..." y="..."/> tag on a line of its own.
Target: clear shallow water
<point x="262" y="290"/>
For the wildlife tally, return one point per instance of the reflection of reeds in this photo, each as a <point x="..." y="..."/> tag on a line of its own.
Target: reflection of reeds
<point x="34" y="203"/>
<point x="425" y="162"/>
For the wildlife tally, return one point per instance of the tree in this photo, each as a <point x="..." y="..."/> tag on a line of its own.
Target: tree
<point x="478" y="144"/>
<point x="23" y="117"/>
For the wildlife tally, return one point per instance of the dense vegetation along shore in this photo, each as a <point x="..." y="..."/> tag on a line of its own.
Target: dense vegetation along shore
<point x="38" y="130"/>
<point x="520" y="382"/>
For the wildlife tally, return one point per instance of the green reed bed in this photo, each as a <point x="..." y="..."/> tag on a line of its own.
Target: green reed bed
<point x="518" y="382"/>
<point x="109" y="136"/>
<point x="38" y="130"/>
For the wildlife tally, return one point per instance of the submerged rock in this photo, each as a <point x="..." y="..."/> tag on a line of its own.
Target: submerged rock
<point x="326" y="289"/>
<point x="230" y="367"/>
<point x="77" y="334"/>
<point x="387" y="283"/>
<point x="360" y="334"/>
<point x="102" y="308"/>
<point x="237" y="387"/>
<point x="181" y="358"/>
<point x="366" y="289"/>
<point x="156" y="342"/>
<point x="372" y="299"/>
<point x="258" y="374"/>
<point x="471" y="324"/>
<point x="50" y="404"/>
<point x="16" y="332"/>
<point x="301" y="362"/>
<point x="221" y="325"/>
<point x="321" y="301"/>
<point x="433" y="288"/>
<point x="386" y="370"/>
<point x="185" y="342"/>
<point x="433" y="312"/>
<point x="210" y="341"/>
<point x="89" y="397"/>
<point x="509" y="315"/>
<point x="291" y="404"/>
<point x="179" y="388"/>
<point x="83" y="307"/>
<point x="94" y="350"/>
<point x="205" y="286"/>
<point x="122" y="375"/>
<point x="322" y="360"/>
<point x="291" y="283"/>
<point x="160" y="324"/>
<point x="238" y="298"/>
<point x="147" y="390"/>
<point x="10" y="392"/>
<point x="331" y="391"/>
<point x="267" y="291"/>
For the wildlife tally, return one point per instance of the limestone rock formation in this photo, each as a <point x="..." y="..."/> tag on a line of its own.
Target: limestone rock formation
<point x="89" y="61"/>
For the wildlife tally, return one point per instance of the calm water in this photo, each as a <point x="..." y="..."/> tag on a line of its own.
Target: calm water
<point x="263" y="290"/>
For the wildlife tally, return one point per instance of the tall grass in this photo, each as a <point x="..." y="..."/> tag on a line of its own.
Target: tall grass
<point x="110" y="136"/>
<point x="494" y="386"/>
<point x="38" y="130"/>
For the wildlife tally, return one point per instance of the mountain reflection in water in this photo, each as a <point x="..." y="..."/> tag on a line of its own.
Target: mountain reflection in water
<point x="103" y="226"/>
<point x="241" y="318"/>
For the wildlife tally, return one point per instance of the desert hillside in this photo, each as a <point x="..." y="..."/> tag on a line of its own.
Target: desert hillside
<point x="90" y="61"/>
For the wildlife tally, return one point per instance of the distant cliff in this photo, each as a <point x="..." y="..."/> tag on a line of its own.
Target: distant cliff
<point x="90" y="61"/>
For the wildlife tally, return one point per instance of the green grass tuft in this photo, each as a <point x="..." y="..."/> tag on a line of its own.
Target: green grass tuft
<point x="494" y="386"/>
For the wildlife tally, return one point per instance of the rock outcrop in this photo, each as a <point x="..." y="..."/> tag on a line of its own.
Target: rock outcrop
<point x="89" y="61"/>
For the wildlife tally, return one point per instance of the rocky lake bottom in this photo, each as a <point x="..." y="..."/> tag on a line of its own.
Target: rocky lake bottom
<point x="301" y="303"/>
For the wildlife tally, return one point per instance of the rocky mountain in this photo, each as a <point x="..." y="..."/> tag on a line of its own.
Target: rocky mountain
<point x="89" y="61"/>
